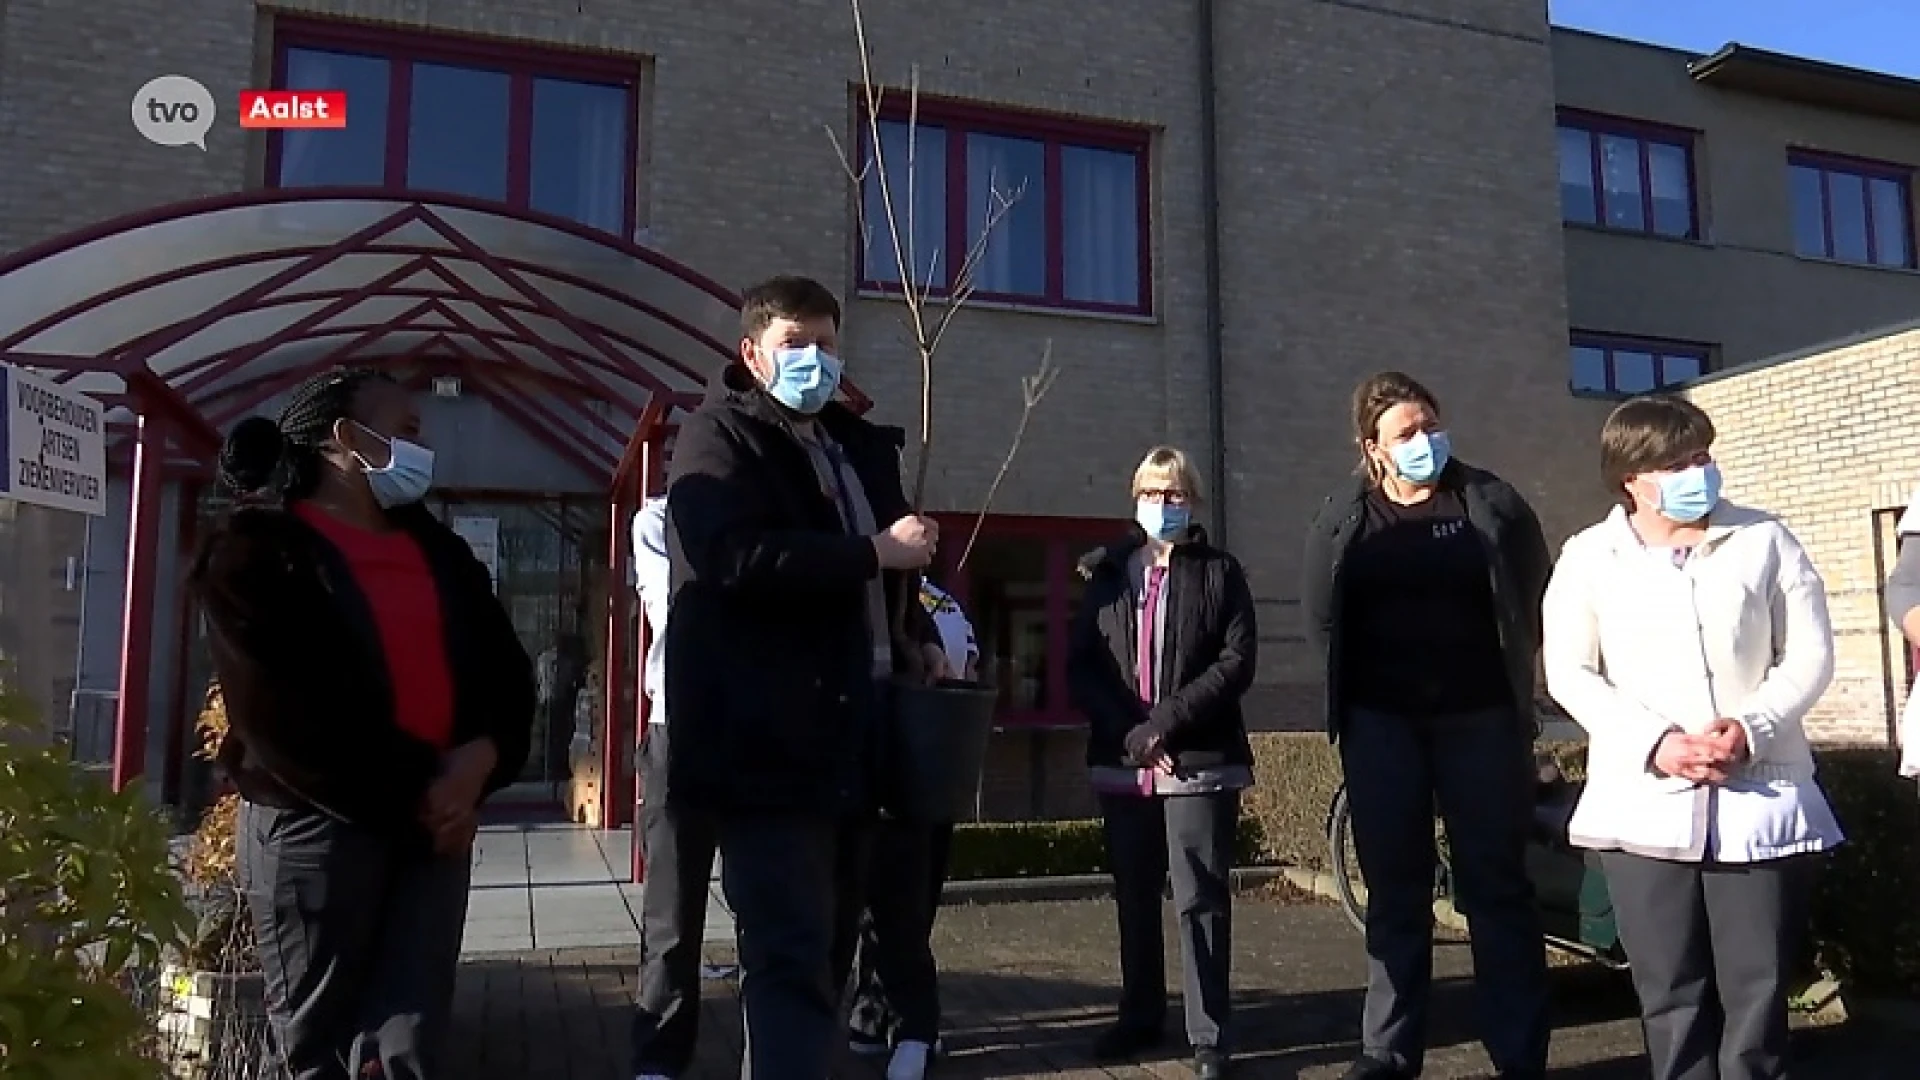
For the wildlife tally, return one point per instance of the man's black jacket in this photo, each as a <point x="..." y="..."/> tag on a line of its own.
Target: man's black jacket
<point x="1517" y="557"/>
<point x="308" y="695"/>
<point x="771" y="702"/>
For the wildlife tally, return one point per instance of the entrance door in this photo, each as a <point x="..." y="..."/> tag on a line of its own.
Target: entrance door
<point x="548" y="558"/>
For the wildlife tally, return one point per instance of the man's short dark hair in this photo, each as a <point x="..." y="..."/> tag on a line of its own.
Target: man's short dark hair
<point x="1651" y="434"/>
<point x="785" y="297"/>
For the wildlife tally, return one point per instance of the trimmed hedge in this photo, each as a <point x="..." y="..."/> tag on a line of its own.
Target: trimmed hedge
<point x="1866" y="914"/>
<point x="1866" y="917"/>
<point x="1033" y="849"/>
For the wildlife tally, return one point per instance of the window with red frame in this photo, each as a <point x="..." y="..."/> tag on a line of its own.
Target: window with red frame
<point x="1851" y="211"/>
<point x="1074" y="230"/>
<point x="1611" y="365"/>
<point x="1020" y="591"/>
<point x="1624" y="174"/>
<point x="539" y="130"/>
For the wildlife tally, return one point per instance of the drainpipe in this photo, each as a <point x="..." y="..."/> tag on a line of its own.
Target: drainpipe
<point x="1210" y="210"/>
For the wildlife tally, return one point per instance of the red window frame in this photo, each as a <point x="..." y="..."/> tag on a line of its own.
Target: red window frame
<point x="520" y="63"/>
<point x="960" y="119"/>
<point x="1066" y="540"/>
<point x="1661" y="349"/>
<point x="1596" y="125"/>
<point x="1863" y="169"/>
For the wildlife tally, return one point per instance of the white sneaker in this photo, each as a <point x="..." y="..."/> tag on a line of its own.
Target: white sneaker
<point x="909" y="1061"/>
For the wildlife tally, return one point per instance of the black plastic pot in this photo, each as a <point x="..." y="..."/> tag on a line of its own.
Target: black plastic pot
<point x="936" y="747"/>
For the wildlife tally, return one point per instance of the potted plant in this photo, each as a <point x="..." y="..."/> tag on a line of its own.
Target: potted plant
<point x="213" y="1004"/>
<point x="936" y="734"/>
<point x="87" y="903"/>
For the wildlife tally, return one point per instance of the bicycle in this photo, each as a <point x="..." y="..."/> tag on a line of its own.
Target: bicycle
<point x="1571" y="888"/>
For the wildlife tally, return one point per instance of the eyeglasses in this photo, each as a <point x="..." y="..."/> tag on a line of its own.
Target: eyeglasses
<point x="1170" y="496"/>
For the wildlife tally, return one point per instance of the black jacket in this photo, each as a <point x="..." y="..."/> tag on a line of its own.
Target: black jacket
<point x="1516" y="553"/>
<point x="1207" y="659"/>
<point x="771" y="703"/>
<point x="308" y="695"/>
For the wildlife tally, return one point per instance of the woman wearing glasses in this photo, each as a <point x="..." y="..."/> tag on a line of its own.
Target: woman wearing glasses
<point x="1162" y="649"/>
<point x="1422" y="592"/>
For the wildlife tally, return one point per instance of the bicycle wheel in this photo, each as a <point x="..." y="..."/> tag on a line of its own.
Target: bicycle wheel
<point x="1344" y="862"/>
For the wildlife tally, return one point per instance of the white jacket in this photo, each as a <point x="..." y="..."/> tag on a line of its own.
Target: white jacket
<point x="1635" y="646"/>
<point x="650" y="580"/>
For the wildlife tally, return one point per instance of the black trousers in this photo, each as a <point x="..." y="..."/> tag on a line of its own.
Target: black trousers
<point x="796" y="885"/>
<point x="896" y="983"/>
<point x="679" y="848"/>
<point x="359" y="942"/>
<point x="1479" y="768"/>
<point x="1712" y="947"/>
<point x="1192" y="837"/>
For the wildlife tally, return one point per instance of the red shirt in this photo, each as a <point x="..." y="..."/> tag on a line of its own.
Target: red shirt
<point x="399" y="587"/>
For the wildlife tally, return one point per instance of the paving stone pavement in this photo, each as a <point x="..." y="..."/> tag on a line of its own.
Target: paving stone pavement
<point x="1027" y="986"/>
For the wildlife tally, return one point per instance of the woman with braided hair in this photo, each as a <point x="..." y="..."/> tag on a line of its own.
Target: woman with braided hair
<point x="377" y="693"/>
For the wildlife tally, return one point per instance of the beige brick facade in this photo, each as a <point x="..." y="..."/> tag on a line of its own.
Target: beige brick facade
<point x="1824" y="440"/>
<point x="1386" y="200"/>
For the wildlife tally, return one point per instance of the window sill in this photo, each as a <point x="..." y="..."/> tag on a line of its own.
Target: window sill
<point x="1848" y="264"/>
<point x="1623" y="395"/>
<point x="1636" y="234"/>
<point x="977" y="304"/>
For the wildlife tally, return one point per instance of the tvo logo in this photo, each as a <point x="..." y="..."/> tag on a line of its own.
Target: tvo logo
<point x="174" y="110"/>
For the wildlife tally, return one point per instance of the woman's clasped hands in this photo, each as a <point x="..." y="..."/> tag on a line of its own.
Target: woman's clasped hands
<point x="1707" y="758"/>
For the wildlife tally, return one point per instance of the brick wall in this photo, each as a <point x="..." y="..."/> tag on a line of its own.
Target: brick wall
<point x="1826" y="441"/>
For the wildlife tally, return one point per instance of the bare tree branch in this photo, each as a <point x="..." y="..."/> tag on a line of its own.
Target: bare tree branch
<point x="1033" y="388"/>
<point x="920" y="288"/>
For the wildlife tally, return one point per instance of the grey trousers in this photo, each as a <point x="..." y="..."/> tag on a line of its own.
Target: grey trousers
<point x="796" y="885"/>
<point x="679" y="847"/>
<point x="1712" y="947"/>
<point x="1191" y="836"/>
<point x="1478" y="768"/>
<point x="359" y="942"/>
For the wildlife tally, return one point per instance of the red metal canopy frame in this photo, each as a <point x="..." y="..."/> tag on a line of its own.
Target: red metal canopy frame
<point x="185" y="318"/>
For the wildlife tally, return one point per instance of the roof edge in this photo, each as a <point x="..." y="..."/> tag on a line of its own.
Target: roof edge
<point x="1831" y="345"/>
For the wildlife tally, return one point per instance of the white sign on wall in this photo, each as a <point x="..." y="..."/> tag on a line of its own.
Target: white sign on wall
<point x="482" y="534"/>
<point x="56" y="440"/>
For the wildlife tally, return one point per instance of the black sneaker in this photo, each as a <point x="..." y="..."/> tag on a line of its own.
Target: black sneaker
<point x="1123" y="1043"/>
<point x="1374" y="1069"/>
<point x="1209" y="1064"/>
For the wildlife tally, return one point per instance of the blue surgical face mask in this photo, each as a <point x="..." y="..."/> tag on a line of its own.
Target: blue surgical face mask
<point x="1162" y="521"/>
<point x="405" y="478"/>
<point x="1690" y="494"/>
<point x="1421" y="459"/>
<point x="804" y="379"/>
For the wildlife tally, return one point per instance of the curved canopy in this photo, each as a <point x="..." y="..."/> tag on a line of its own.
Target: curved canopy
<point x="218" y="305"/>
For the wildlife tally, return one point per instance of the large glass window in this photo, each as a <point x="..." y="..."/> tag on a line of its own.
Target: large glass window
<point x="1072" y="229"/>
<point x="1626" y="175"/>
<point x="1851" y="211"/>
<point x="1615" y="366"/>
<point x="545" y="131"/>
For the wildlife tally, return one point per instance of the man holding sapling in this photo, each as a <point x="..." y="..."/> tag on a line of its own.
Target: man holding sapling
<point x="792" y="544"/>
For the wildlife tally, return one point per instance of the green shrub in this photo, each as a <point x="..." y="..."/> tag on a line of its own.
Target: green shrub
<point x="87" y="904"/>
<point x="1033" y="849"/>
<point x="1296" y="778"/>
<point x="1866" y="913"/>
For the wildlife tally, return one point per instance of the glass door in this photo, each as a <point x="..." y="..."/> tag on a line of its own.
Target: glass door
<point x="548" y="560"/>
